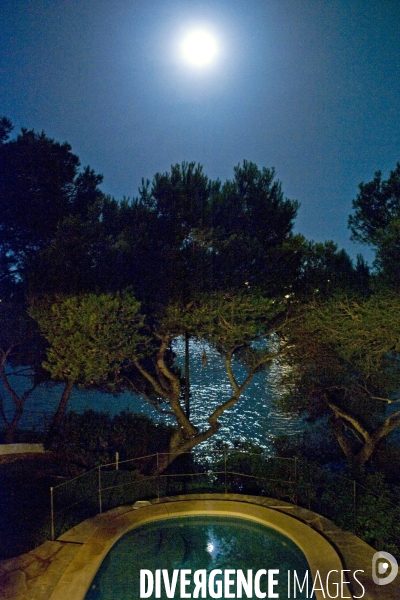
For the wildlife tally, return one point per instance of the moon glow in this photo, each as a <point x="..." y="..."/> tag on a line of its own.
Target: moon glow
<point x="199" y="48"/>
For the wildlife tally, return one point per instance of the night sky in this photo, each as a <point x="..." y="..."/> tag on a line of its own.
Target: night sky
<point x="310" y="87"/>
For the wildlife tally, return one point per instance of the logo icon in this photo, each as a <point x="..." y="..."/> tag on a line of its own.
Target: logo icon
<point x="384" y="568"/>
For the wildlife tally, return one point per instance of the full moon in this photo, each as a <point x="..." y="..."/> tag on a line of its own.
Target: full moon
<point x="199" y="48"/>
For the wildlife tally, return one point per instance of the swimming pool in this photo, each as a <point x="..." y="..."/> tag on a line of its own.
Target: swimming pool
<point x="99" y="535"/>
<point x="196" y="543"/>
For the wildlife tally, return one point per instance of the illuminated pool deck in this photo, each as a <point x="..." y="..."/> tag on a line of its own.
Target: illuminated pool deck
<point x="66" y="567"/>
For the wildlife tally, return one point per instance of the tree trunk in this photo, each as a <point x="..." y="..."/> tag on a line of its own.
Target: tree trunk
<point x="11" y="426"/>
<point x="186" y="435"/>
<point x="366" y="452"/>
<point x="60" y="412"/>
<point x="11" y="429"/>
<point x="19" y="403"/>
<point x="180" y="445"/>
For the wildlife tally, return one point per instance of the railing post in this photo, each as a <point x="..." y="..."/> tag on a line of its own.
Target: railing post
<point x="116" y="461"/>
<point x="158" y="478"/>
<point x="100" y="498"/>
<point x="52" y="513"/>
<point x="225" y="483"/>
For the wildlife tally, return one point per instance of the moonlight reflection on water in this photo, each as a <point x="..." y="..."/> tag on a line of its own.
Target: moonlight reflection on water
<point x="254" y="418"/>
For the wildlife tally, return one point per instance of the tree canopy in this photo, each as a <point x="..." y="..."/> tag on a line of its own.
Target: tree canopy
<point x="376" y="222"/>
<point x="89" y="338"/>
<point x="345" y="364"/>
<point x="103" y="339"/>
<point x="40" y="185"/>
<point x="113" y="283"/>
<point x="376" y="205"/>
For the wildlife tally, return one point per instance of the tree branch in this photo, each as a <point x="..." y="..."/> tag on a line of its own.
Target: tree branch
<point x="153" y="403"/>
<point x="339" y="412"/>
<point x="379" y="398"/>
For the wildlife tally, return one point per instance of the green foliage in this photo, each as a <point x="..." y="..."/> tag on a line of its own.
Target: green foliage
<point x="253" y="205"/>
<point x="387" y="259"/>
<point x="252" y="223"/>
<point x="378" y="513"/>
<point x="176" y="207"/>
<point x="247" y="458"/>
<point x="5" y="129"/>
<point x="324" y="270"/>
<point x="316" y="444"/>
<point x="37" y="173"/>
<point x="181" y="199"/>
<point x="375" y="222"/>
<point x="90" y="439"/>
<point x="344" y="363"/>
<point x="207" y="237"/>
<point x="347" y="344"/>
<point x="377" y="203"/>
<point x="90" y="337"/>
<point x="238" y="325"/>
<point x="365" y="504"/>
<point x="225" y="320"/>
<point x="75" y="262"/>
<point x="209" y="260"/>
<point x="40" y="185"/>
<point x="364" y="333"/>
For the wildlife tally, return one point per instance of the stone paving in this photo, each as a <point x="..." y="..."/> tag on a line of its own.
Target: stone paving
<point x="36" y="574"/>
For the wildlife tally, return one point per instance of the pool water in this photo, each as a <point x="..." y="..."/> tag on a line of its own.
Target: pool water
<point x="195" y="542"/>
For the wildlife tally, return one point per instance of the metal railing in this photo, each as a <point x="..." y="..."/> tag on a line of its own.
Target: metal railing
<point x="351" y="506"/>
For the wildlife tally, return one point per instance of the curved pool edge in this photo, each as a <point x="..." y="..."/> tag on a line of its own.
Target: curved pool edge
<point x="52" y="568"/>
<point x="75" y="582"/>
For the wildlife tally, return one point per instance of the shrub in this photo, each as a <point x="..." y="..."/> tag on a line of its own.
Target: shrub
<point x="92" y="438"/>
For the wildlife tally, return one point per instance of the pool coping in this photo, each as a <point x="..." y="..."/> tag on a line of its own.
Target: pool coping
<point x="66" y="567"/>
<point x="79" y="575"/>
